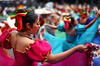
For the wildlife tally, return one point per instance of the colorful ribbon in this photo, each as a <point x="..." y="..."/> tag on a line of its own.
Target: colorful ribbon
<point x="67" y="20"/>
<point x="41" y="33"/>
<point x="82" y="14"/>
<point x="95" y="49"/>
<point x="18" y="17"/>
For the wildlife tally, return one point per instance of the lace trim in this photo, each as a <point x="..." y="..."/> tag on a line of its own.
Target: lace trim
<point x="7" y="37"/>
<point x="28" y="47"/>
<point x="46" y="58"/>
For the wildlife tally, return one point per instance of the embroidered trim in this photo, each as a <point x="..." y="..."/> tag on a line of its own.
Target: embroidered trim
<point x="28" y="47"/>
<point x="7" y="38"/>
<point x="46" y="58"/>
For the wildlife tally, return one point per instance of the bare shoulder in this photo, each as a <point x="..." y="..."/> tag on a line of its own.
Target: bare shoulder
<point x="13" y="32"/>
<point x="23" y="42"/>
<point x="26" y="41"/>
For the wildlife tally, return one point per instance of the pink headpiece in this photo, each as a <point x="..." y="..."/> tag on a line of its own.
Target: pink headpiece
<point x="67" y="20"/>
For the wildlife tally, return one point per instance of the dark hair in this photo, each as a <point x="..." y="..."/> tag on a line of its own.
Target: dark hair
<point x="72" y="21"/>
<point x="29" y="18"/>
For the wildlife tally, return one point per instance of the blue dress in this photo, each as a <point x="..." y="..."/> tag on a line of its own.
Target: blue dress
<point x="88" y="20"/>
<point x="60" y="44"/>
<point x="71" y="40"/>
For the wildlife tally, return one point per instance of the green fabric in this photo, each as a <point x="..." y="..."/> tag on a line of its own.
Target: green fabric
<point x="60" y="34"/>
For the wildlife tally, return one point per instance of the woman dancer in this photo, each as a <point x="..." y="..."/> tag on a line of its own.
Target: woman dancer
<point x="72" y="34"/>
<point x="27" y="51"/>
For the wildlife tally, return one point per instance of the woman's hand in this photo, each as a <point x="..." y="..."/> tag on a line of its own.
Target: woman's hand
<point x="82" y="48"/>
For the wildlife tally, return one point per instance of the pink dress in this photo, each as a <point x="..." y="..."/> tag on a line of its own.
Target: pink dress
<point x="33" y="53"/>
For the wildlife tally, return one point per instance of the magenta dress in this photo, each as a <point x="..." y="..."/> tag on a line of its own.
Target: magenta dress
<point x="33" y="53"/>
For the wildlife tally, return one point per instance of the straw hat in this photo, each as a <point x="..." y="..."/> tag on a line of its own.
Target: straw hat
<point x="42" y="11"/>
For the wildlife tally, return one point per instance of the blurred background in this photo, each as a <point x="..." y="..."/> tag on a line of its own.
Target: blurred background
<point x="10" y="6"/>
<point x="55" y="8"/>
<point x="37" y="3"/>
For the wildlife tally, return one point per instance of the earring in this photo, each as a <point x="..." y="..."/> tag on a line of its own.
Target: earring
<point x="29" y="31"/>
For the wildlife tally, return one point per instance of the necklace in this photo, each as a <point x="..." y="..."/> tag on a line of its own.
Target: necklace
<point x="21" y="35"/>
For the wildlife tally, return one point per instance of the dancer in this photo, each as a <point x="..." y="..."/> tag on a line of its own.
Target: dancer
<point x="84" y="18"/>
<point x="72" y="34"/>
<point x="4" y="27"/>
<point x="52" y="24"/>
<point x="27" y="51"/>
<point x="73" y="30"/>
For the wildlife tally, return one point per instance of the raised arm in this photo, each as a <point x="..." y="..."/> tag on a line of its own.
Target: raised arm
<point x="61" y="56"/>
<point x="93" y="21"/>
<point x="52" y="26"/>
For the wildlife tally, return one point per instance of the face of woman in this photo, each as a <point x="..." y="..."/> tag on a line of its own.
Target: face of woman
<point x="35" y="27"/>
<point x="75" y="22"/>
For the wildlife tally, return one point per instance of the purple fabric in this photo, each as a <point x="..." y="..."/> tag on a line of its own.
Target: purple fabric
<point x="77" y="59"/>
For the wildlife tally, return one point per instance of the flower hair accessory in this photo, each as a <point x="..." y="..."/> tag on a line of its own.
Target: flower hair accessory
<point x="18" y="17"/>
<point x="82" y="14"/>
<point x="67" y="20"/>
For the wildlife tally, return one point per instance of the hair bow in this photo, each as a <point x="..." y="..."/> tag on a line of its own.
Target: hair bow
<point x="66" y="20"/>
<point x="18" y="17"/>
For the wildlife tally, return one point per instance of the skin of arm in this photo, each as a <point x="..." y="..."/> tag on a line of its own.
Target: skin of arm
<point x="52" y="26"/>
<point x="92" y="22"/>
<point x="61" y="56"/>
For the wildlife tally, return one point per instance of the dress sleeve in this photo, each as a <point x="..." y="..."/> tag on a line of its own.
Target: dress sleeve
<point x="80" y="29"/>
<point x="90" y="19"/>
<point x="38" y="51"/>
<point x="5" y="38"/>
<point x="60" y="27"/>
